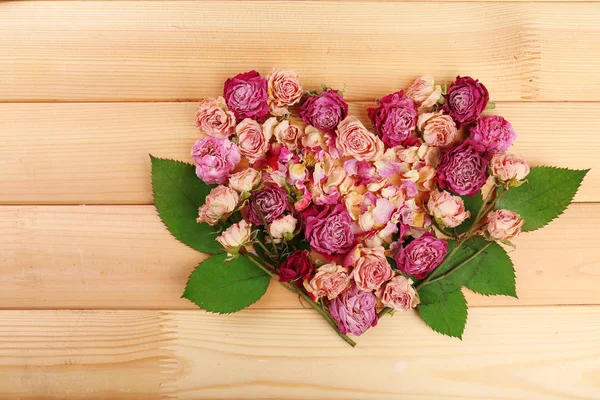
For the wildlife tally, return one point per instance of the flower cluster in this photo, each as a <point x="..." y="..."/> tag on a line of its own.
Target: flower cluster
<point x="353" y="215"/>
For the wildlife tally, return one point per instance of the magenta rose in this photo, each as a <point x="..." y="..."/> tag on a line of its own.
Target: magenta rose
<point x="395" y="118"/>
<point x="297" y="266"/>
<point x="466" y="99"/>
<point x="246" y="95"/>
<point x="330" y="232"/>
<point x="215" y="158"/>
<point x="463" y="169"/>
<point x="268" y="203"/>
<point x="422" y="255"/>
<point x="354" y="311"/>
<point x="494" y="132"/>
<point x="324" y="111"/>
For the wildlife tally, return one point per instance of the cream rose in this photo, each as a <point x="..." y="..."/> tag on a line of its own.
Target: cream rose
<point x="504" y="224"/>
<point x="439" y="130"/>
<point x="446" y="209"/>
<point x="214" y="118"/>
<point x="245" y="181"/>
<point x="509" y="169"/>
<point x="283" y="228"/>
<point x="371" y="269"/>
<point x="283" y="88"/>
<point x="330" y="280"/>
<point x="285" y="132"/>
<point x="399" y="294"/>
<point x="220" y="202"/>
<point x="313" y="137"/>
<point x="354" y="140"/>
<point x="253" y="140"/>
<point x="236" y="236"/>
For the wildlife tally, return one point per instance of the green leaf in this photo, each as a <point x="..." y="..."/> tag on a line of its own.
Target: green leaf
<point x="472" y="204"/>
<point x="224" y="287"/>
<point x="545" y="196"/>
<point x="178" y="193"/>
<point x="495" y="275"/>
<point x="447" y="317"/>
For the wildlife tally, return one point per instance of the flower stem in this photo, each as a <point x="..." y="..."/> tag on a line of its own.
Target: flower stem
<point x="384" y="311"/>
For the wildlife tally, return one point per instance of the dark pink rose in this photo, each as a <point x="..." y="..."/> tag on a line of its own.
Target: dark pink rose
<point x="495" y="133"/>
<point x="395" y="118"/>
<point x="297" y="266"/>
<point x="330" y="231"/>
<point x="324" y="111"/>
<point x="270" y="201"/>
<point x="463" y="169"/>
<point x="422" y="255"/>
<point x="354" y="311"/>
<point x="246" y="95"/>
<point x="466" y="99"/>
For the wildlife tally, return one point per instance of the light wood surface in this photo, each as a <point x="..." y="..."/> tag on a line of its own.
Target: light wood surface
<point x="90" y="303"/>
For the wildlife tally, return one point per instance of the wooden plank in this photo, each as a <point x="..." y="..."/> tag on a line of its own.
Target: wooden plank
<point x="122" y="257"/>
<point x="159" y="50"/>
<point x="547" y="353"/>
<point x="98" y="153"/>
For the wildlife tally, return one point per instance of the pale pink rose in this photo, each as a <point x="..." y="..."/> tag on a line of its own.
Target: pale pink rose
<point x="439" y="130"/>
<point x="509" y="169"/>
<point x="354" y="140"/>
<point x="220" y="202"/>
<point x="283" y="228"/>
<point x="253" y="140"/>
<point x="446" y="209"/>
<point x="504" y="224"/>
<point x="245" y="180"/>
<point x="313" y="138"/>
<point x="214" y="118"/>
<point x="283" y="88"/>
<point x="371" y="269"/>
<point x="236" y="236"/>
<point x="330" y="280"/>
<point x="286" y="133"/>
<point x="399" y="294"/>
<point x="421" y="89"/>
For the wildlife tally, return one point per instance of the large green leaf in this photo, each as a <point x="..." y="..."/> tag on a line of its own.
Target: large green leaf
<point x="473" y="205"/>
<point x="225" y="287"/>
<point x="495" y="275"/>
<point x="178" y="193"/>
<point x="545" y="196"/>
<point x="448" y="316"/>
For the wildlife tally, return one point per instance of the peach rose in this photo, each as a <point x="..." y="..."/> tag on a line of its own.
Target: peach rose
<point x="439" y="130"/>
<point x="245" y="181"/>
<point x="283" y="88"/>
<point x="354" y="140"/>
<point x="214" y="118"/>
<point x="253" y="140"/>
<point x="423" y="92"/>
<point x="509" y="169"/>
<point x="399" y="294"/>
<point x="283" y="228"/>
<point x="371" y="268"/>
<point x="330" y="280"/>
<point x="236" y="236"/>
<point x="313" y="138"/>
<point x="284" y="132"/>
<point x="446" y="209"/>
<point x="220" y="202"/>
<point x="504" y="224"/>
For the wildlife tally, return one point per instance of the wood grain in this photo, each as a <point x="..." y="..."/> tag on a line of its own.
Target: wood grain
<point x="98" y="153"/>
<point x="176" y="50"/>
<point x="122" y="257"/>
<point x="507" y="353"/>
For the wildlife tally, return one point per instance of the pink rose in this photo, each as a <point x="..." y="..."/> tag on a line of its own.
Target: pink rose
<point x="399" y="294"/>
<point x="219" y="204"/>
<point x="395" y="118"/>
<point x="214" y="119"/>
<point x="330" y="232"/>
<point x="423" y="92"/>
<point x="283" y="88"/>
<point x="494" y="132"/>
<point x="354" y="311"/>
<point x="509" y="169"/>
<point x="267" y="203"/>
<point x="246" y="95"/>
<point x="215" y="158"/>
<point x="354" y="140"/>
<point x="371" y="269"/>
<point x="245" y="180"/>
<point x="439" y="130"/>
<point x="422" y="255"/>
<point x="324" y="111"/>
<point x="446" y="209"/>
<point x="463" y="169"/>
<point x="253" y="140"/>
<point x="504" y="224"/>
<point x="330" y="280"/>
<point x="236" y="236"/>
<point x="466" y="99"/>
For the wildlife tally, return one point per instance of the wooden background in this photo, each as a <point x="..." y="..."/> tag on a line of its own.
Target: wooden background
<point x="91" y="281"/>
